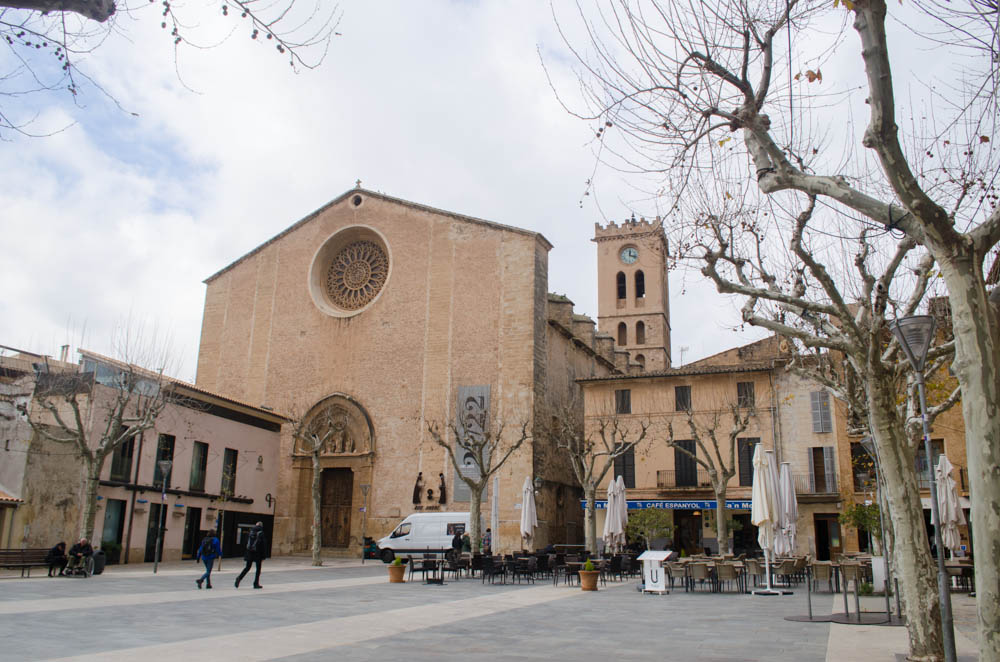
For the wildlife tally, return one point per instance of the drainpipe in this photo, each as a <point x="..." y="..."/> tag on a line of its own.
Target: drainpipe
<point x="131" y="509"/>
<point x="775" y="419"/>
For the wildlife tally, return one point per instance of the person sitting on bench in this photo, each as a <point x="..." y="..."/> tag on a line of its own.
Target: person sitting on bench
<point x="56" y="558"/>
<point x="78" y="554"/>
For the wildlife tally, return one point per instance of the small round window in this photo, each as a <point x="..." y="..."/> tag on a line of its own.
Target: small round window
<point x="349" y="271"/>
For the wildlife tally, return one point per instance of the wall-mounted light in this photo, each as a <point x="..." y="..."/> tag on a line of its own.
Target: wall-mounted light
<point x="260" y="463"/>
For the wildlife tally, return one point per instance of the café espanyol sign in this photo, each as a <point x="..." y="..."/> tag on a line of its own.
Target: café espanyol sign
<point x="636" y="504"/>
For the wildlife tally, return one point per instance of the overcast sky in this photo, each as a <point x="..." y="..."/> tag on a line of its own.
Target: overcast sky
<point x="125" y="212"/>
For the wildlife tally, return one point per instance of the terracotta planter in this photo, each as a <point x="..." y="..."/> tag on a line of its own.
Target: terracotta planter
<point x="396" y="574"/>
<point x="588" y="579"/>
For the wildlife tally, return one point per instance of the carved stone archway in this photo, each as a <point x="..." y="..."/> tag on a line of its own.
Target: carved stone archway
<point x="345" y="426"/>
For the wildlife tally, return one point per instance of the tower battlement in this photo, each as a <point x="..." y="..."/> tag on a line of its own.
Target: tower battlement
<point x="628" y="227"/>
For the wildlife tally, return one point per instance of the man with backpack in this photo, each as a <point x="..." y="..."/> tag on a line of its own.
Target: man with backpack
<point x="256" y="550"/>
<point x="207" y="553"/>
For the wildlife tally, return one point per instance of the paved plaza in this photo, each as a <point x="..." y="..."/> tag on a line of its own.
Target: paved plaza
<point x="348" y="611"/>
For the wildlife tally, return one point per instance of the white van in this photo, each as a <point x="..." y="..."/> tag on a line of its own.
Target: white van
<point x="423" y="532"/>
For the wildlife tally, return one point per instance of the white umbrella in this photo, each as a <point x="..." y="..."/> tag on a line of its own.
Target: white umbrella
<point x="529" y="515"/>
<point x="789" y="512"/>
<point x="948" y="505"/>
<point x="622" y="508"/>
<point x="613" y="527"/>
<point x="764" y="507"/>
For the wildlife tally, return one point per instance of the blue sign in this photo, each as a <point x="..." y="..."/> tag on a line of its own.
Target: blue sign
<point x="636" y="504"/>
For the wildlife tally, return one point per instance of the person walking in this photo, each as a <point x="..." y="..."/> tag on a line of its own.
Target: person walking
<point x="57" y="558"/>
<point x="209" y="550"/>
<point x="255" y="550"/>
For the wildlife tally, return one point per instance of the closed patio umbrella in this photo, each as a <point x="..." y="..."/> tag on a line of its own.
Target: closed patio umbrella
<point x="764" y="509"/>
<point x="613" y="526"/>
<point x="529" y="514"/>
<point x="948" y="505"/>
<point x="789" y="512"/>
<point x="622" y="508"/>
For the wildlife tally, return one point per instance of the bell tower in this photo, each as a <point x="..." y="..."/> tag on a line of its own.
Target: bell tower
<point x="633" y="301"/>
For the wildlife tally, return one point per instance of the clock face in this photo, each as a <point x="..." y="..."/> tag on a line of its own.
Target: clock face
<point x="629" y="254"/>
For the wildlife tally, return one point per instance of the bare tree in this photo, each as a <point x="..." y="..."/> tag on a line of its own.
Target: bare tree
<point x="807" y="305"/>
<point x="314" y="433"/>
<point x="484" y="446"/>
<point x="47" y="38"/>
<point x="592" y="450"/>
<point x="96" y="413"/>
<point x="670" y="83"/>
<point x="717" y="458"/>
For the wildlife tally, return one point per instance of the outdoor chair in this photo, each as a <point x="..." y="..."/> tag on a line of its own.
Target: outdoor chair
<point x="476" y="565"/>
<point x="850" y="572"/>
<point x="491" y="569"/>
<point x="524" y="567"/>
<point x="786" y="570"/>
<point x="615" y="567"/>
<point x="700" y="573"/>
<point x="822" y="572"/>
<point x="755" y="569"/>
<point x="800" y="568"/>
<point x="728" y="573"/>
<point x="678" y="570"/>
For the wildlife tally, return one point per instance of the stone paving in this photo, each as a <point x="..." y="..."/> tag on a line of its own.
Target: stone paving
<point x="349" y="611"/>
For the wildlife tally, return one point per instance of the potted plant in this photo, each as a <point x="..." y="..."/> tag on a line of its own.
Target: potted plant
<point x="396" y="570"/>
<point x="588" y="576"/>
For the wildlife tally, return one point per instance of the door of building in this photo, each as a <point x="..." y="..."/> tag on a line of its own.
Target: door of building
<point x="338" y="486"/>
<point x="114" y="526"/>
<point x="828" y="543"/>
<point x="156" y="514"/>
<point x="687" y="532"/>
<point x="192" y="533"/>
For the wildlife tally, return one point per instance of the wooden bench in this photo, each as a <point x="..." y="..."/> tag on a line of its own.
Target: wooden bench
<point x="25" y="559"/>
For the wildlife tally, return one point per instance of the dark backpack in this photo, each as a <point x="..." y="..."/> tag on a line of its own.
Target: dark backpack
<point x="206" y="549"/>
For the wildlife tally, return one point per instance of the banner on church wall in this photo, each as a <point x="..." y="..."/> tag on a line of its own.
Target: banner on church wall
<point x="471" y="414"/>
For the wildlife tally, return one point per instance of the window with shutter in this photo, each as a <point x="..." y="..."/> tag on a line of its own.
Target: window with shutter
<point x="625" y="467"/>
<point x="682" y="398"/>
<point x="744" y="394"/>
<point x="822" y="470"/>
<point x="820" y="401"/>
<point x="745" y="451"/>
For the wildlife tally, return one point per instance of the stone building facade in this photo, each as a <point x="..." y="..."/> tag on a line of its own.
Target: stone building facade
<point x="392" y="316"/>
<point x="222" y="477"/>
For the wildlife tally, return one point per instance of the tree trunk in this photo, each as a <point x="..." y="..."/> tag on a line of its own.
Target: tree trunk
<point x="92" y="480"/>
<point x="977" y="366"/>
<point x="475" y="511"/>
<point x="589" y="521"/>
<point x="317" y="504"/>
<point x="721" y="522"/>
<point x="917" y="578"/>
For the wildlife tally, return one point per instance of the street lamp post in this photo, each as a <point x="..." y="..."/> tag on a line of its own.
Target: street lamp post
<point x="364" y="520"/>
<point x="915" y="335"/>
<point x="165" y="466"/>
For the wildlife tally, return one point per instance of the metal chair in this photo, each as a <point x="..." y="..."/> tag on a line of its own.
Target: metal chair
<point x="822" y="572"/>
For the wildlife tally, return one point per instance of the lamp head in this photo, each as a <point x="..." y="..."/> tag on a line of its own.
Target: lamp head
<point x="915" y="334"/>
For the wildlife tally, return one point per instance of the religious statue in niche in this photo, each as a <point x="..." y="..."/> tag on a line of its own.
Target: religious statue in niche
<point x="418" y="488"/>
<point x="442" y="492"/>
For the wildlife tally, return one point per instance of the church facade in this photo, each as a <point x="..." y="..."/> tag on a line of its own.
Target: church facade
<point x="384" y="316"/>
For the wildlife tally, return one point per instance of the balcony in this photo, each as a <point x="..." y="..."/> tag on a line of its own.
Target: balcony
<point x="814" y="488"/>
<point x="691" y="480"/>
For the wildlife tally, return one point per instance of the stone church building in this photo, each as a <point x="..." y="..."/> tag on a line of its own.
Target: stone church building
<point x="389" y="315"/>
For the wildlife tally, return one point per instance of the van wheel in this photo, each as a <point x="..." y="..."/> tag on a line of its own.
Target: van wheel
<point x="387" y="556"/>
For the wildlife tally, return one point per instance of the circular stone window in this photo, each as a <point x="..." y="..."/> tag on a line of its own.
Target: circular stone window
<point x="349" y="271"/>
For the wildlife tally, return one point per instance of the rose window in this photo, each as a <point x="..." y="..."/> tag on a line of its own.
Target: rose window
<point x="357" y="274"/>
